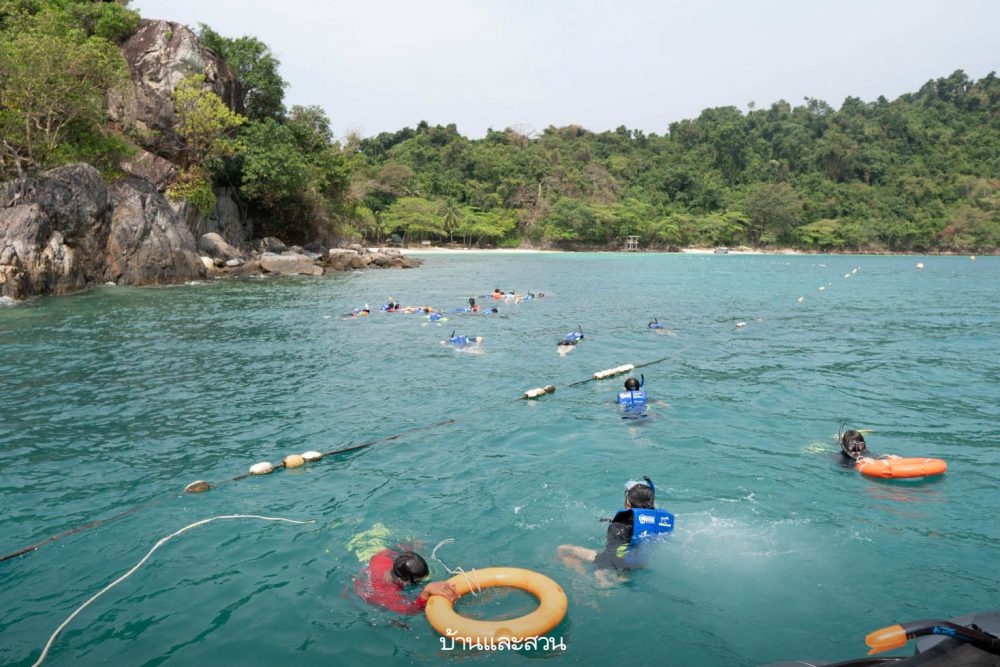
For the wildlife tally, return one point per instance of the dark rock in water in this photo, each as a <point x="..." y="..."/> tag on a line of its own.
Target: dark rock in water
<point x="159" y="55"/>
<point x="315" y="248"/>
<point x="52" y="240"/>
<point x="213" y="245"/>
<point x="148" y="243"/>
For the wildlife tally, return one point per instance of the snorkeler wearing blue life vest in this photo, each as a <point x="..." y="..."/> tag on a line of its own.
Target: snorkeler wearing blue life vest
<point x="633" y="399"/>
<point x="632" y="532"/>
<point x="655" y="324"/>
<point x="462" y="341"/>
<point x="572" y="338"/>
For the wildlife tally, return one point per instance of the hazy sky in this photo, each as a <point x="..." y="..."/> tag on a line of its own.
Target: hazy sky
<point x="380" y="65"/>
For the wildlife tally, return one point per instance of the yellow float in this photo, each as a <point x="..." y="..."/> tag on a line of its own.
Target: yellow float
<point x="552" y="605"/>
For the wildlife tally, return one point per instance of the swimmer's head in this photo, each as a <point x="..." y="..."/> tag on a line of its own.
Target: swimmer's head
<point x="853" y="442"/>
<point x="640" y="495"/>
<point x="410" y="567"/>
<point x="631" y="384"/>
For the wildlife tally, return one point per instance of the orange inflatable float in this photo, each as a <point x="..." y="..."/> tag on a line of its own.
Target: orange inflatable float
<point x="895" y="467"/>
<point x="552" y="605"/>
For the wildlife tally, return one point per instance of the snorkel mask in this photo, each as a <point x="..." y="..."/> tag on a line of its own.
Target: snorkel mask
<point x="648" y="482"/>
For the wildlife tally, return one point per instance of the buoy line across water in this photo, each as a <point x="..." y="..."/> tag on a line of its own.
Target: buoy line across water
<point x="292" y="461"/>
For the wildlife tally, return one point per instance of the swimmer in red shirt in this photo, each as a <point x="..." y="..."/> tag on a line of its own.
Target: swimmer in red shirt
<point x="389" y="573"/>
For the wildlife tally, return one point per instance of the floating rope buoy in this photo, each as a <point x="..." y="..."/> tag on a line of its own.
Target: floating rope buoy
<point x="617" y="370"/>
<point x="740" y="325"/>
<point x="920" y="265"/>
<point x="293" y="461"/>
<point x="198" y="486"/>
<point x="262" y="468"/>
<point x="540" y="391"/>
<point x="312" y="455"/>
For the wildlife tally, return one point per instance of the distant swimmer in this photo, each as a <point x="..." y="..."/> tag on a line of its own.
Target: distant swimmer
<point x="489" y="311"/>
<point x="572" y="338"/>
<point x="633" y="399"/>
<point x="633" y="530"/>
<point x="384" y="581"/>
<point x="358" y="312"/>
<point x="473" y="308"/>
<point x="497" y="293"/>
<point x="462" y="341"/>
<point x="434" y="317"/>
<point x="655" y="324"/>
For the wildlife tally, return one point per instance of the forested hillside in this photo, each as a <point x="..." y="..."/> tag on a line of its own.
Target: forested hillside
<point x="919" y="173"/>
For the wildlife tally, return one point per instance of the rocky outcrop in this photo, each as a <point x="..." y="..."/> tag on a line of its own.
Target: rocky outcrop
<point x="52" y="239"/>
<point x="148" y="244"/>
<point x="155" y="169"/>
<point x="67" y="231"/>
<point x="160" y="54"/>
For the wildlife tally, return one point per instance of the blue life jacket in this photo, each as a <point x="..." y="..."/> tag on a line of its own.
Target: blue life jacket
<point x="573" y="336"/>
<point x="655" y="325"/>
<point x="647" y="526"/>
<point x="461" y="310"/>
<point x="633" y="401"/>
<point x="460" y="340"/>
<point x="434" y="317"/>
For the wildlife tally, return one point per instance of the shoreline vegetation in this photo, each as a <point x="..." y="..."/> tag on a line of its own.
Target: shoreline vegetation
<point x="173" y="134"/>
<point x="739" y="250"/>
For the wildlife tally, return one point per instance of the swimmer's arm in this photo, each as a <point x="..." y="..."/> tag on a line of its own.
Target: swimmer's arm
<point x="442" y="588"/>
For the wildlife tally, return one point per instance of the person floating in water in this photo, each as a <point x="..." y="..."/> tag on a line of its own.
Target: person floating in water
<point x="633" y="399"/>
<point x="632" y="532"/>
<point x="384" y="581"/>
<point x="462" y="341"/>
<point x="655" y="324"/>
<point x="572" y="338"/>
<point x="473" y="308"/>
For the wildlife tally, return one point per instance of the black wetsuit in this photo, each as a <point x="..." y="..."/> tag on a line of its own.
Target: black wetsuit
<point x="616" y="547"/>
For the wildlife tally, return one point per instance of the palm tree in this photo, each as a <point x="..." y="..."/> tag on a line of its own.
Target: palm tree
<point x="451" y="215"/>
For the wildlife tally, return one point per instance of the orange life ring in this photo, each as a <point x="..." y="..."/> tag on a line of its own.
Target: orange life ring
<point x="894" y="467"/>
<point x="552" y="605"/>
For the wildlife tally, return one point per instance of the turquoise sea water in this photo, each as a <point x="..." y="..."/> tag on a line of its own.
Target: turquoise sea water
<point x="121" y="396"/>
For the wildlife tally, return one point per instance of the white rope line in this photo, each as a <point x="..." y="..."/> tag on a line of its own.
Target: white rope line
<point x="474" y="587"/>
<point x="159" y="544"/>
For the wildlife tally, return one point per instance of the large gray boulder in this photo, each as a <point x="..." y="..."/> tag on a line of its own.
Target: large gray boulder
<point x="160" y="55"/>
<point x="288" y="264"/>
<point x="213" y="245"/>
<point x="52" y="240"/>
<point x="148" y="243"/>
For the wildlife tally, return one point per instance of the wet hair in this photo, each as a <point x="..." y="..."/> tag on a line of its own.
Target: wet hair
<point x="410" y="567"/>
<point x="640" y="496"/>
<point x="853" y="442"/>
<point x="632" y="384"/>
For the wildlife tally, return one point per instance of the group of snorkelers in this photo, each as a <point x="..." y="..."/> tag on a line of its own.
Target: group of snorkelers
<point x="391" y="576"/>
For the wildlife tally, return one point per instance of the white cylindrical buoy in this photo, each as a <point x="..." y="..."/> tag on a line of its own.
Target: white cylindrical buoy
<point x="534" y="393"/>
<point x="293" y="461"/>
<point x="262" y="468"/>
<point x="312" y="455"/>
<point x="740" y="325"/>
<point x="198" y="486"/>
<point x="920" y="265"/>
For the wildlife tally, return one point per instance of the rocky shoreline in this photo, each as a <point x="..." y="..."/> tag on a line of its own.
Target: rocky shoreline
<point x="65" y="231"/>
